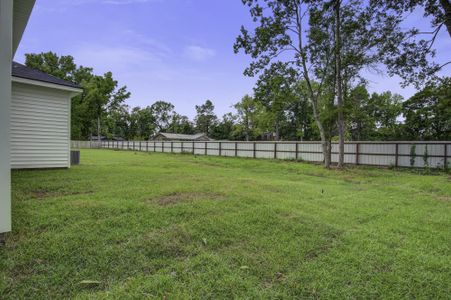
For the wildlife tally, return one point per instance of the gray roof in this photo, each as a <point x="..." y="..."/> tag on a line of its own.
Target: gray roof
<point x="21" y="71"/>
<point x="177" y="136"/>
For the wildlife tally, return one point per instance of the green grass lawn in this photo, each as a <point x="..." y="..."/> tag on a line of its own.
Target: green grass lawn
<point x="135" y="225"/>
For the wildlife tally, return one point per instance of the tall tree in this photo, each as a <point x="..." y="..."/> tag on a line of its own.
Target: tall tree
<point x="307" y="47"/>
<point x="224" y="130"/>
<point x="300" y="115"/>
<point x="361" y="123"/>
<point x="205" y="118"/>
<point x="408" y="51"/>
<point x="118" y="122"/>
<point x="99" y="92"/>
<point x="145" y="122"/>
<point x="428" y="113"/>
<point x="339" y="81"/>
<point x="162" y="112"/>
<point x="275" y="90"/>
<point x="375" y="116"/>
<point x="180" y="124"/>
<point x="247" y="109"/>
<point x="102" y="94"/>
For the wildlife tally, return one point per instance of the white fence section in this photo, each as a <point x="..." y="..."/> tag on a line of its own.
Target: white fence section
<point x="397" y="154"/>
<point x="85" y="144"/>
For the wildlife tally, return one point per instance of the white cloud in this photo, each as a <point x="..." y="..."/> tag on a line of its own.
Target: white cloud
<point x="130" y="37"/>
<point x="114" y="58"/>
<point x="198" y="53"/>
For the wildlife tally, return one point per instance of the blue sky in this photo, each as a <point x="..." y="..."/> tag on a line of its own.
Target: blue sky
<point x="174" y="50"/>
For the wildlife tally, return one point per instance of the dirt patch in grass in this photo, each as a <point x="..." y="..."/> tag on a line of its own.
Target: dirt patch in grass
<point x="178" y="197"/>
<point x="444" y="198"/>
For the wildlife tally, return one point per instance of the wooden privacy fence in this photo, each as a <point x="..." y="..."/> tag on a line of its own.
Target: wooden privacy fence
<point x="397" y="154"/>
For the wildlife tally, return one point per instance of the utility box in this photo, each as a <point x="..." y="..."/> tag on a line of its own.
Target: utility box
<point x="75" y="157"/>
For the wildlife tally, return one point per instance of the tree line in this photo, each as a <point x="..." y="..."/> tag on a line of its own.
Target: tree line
<point x="309" y="56"/>
<point x="279" y="109"/>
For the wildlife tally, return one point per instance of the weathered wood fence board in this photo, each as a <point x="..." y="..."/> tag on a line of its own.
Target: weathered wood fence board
<point x="378" y="153"/>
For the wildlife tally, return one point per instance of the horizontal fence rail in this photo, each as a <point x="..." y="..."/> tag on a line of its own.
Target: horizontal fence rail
<point x="397" y="154"/>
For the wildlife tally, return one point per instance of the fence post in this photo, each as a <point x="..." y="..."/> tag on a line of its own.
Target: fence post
<point x="255" y="146"/>
<point x="275" y="150"/>
<point x="205" y="148"/>
<point x="357" y="149"/>
<point x="193" y="147"/>
<point x="236" y="149"/>
<point x="154" y="146"/>
<point x="220" y="150"/>
<point x="445" y="159"/>
<point x="139" y="145"/>
<point x="172" y="147"/>
<point x="297" y="151"/>
<point x="182" y="147"/>
<point x="396" y="154"/>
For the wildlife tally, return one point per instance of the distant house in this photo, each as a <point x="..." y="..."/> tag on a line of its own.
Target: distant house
<point x="95" y="138"/>
<point x="163" y="136"/>
<point x="117" y="138"/>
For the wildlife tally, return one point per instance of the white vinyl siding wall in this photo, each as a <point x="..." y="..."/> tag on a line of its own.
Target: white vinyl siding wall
<point x="40" y="127"/>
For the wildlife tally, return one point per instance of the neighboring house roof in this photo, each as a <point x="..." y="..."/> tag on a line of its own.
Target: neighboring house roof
<point x="96" y="138"/>
<point x="187" y="137"/>
<point x="21" y="71"/>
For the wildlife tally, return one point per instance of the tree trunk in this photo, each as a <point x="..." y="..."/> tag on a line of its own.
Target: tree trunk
<point x="446" y="4"/>
<point x="324" y="141"/>
<point x="277" y="137"/>
<point x="313" y="97"/>
<point x="247" y="128"/>
<point x="338" y="85"/>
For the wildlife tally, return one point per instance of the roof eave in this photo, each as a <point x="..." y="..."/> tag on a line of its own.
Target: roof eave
<point x="21" y="14"/>
<point x="46" y="84"/>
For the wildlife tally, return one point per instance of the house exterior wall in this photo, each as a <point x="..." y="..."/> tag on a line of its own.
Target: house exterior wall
<point x="6" y="21"/>
<point x="40" y="127"/>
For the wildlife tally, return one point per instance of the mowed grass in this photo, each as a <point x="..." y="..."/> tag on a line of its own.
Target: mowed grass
<point x="135" y="225"/>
